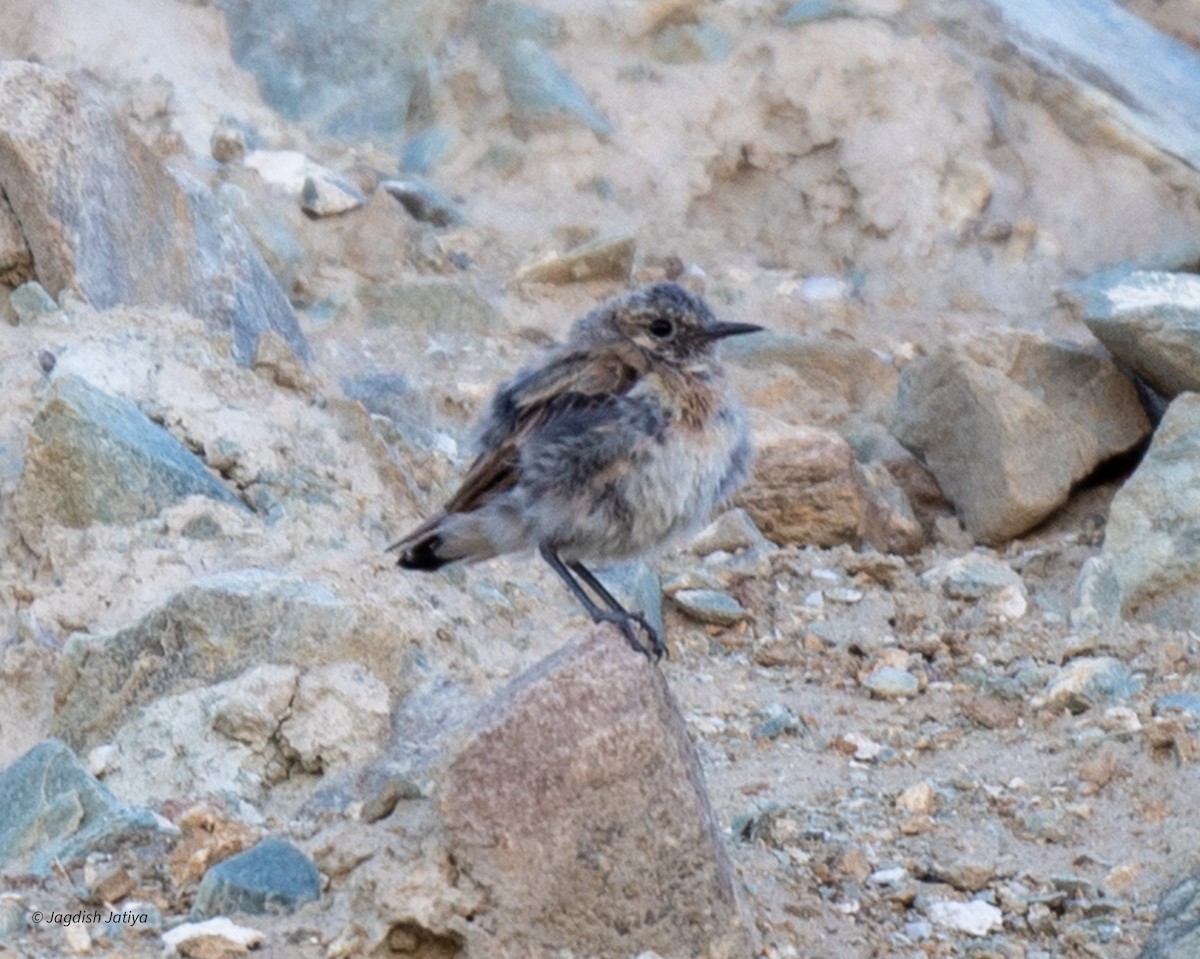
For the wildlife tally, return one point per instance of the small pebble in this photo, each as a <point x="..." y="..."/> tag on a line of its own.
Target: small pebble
<point x="975" y="918"/>
<point x="888" y="682"/>
<point x="710" y="606"/>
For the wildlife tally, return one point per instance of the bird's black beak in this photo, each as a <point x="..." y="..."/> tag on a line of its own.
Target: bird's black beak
<point x="718" y="331"/>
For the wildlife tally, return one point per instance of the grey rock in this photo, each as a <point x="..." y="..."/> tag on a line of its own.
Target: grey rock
<point x="95" y="458"/>
<point x="16" y="263"/>
<point x="56" y="810"/>
<point x="1009" y="421"/>
<point x="325" y="194"/>
<point x="777" y="720"/>
<point x="349" y="70"/>
<point x="271" y="878"/>
<point x="1176" y="933"/>
<point x="637" y="587"/>
<point x="1097" y="595"/>
<point x="1149" y="321"/>
<point x="810" y="11"/>
<point x="1154" y="522"/>
<point x="1178" y="703"/>
<point x="576" y="780"/>
<point x="31" y="302"/>
<point x="60" y="148"/>
<point x="211" y="631"/>
<point x="601" y="259"/>
<point x="891" y="682"/>
<point x="711" y="606"/>
<point x="974" y="577"/>
<point x="1148" y="85"/>
<point x="691" y="43"/>
<point x="541" y="93"/>
<point x="729" y="532"/>
<point x="429" y="306"/>
<point x="1089" y="681"/>
<point x="393" y="395"/>
<point x="424" y="202"/>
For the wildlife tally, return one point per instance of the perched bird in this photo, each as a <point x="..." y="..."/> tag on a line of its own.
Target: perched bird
<point x="616" y="443"/>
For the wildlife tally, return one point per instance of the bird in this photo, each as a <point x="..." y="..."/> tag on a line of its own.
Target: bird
<point x="610" y="447"/>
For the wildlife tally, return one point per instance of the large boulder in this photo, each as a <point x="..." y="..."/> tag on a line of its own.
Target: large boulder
<point x="578" y="804"/>
<point x="106" y="221"/>
<point x="1009" y="422"/>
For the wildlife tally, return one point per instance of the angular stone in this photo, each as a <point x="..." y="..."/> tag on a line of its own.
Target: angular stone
<point x="271" y="878"/>
<point x="637" y="587"/>
<point x="578" y="803"/>
<point x="158" y="238"/>
<point x="1088" y="681"/>
<point x="1176" y="932"/>
<point x="424" y="202"/>
<point x="339" y="716"/>
<point x="610" y="259"/>
<point x="31" y="302"/>
<point x="1148" y="85"/>
<point x="54" y="808"/>
<point x="711" y="606"/>
<point x="1149" y="321"/>
<point x="210" y="631"/>
<point x="95" y="458"/>
<point x="1009" y="421"/>
<point x="805" y="489"/>
<point x="729" y="532"/>
<point x="1153" y="526"/>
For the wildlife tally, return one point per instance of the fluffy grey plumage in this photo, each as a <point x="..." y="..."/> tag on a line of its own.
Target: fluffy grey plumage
<point x="615" y="444"/>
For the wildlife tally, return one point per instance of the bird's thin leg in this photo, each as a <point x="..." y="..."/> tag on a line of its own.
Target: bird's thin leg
<point x="585" y="574"/>
<point x="617" y="616"/>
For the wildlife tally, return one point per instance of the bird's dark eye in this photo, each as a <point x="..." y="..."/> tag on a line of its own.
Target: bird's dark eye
<point x="662" y="328"/>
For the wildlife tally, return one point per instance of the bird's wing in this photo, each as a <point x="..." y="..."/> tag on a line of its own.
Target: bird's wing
<point x="576" y="381"/>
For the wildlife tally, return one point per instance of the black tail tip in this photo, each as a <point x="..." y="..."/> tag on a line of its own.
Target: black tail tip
<point x="422" y="556"/>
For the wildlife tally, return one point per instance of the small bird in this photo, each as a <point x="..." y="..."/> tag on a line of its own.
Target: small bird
<point x="615" y="444"/>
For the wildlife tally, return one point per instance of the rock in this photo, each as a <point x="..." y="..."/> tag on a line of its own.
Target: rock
<point x="31" y="303"/>
<point x="56" y="810"/>
<point x="428" y="306"/>
<point x="891" y="682"/>
<point x="60" y="148"/>
<point x="579" y="780"/>
<point x="1090" y="681"/>
<point x="1149" y="89"/>
<point x="220" y="937"/>
<point x="211" y="630"/>
<point x="809" y="11"/>
<point x="95" y="458"/>
<point x="320" y="191"/>
<point x="711" y="606"/>
<point x="976" y="918"/>
<point x="973" y="577"/>
<point x="1149" y="321"/>
<point x="541" y="94"/>
<point x="610" y="259"/>
<point x="1153" y="523"/>
<point x="339" y="716"/>
<point x="691" y="43"/>
<point x="271" y="878"/>
<point x="16" y="263"/>
<point x="1009" y="421"/>
<point x="637" y="587"/>
<point x="891" y="526"/>
<point x="1187" y="703"/>
<point x="1176" y="932"/>
<point x="731" y="531"/>
<point x="804" y="489"/>
<point x="329" y="196"/>
<point x="423" y="202"/>
<point x="349" y="74"/>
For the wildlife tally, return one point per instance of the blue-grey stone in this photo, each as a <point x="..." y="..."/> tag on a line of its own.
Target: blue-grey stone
<point x="424" y="202"/>
<point x="1150" y="322"/>
<point x="96" y="458"/>
<point x="31" y="302"/>
<point x="691" y="43"/>
<point x="159" y="238"/>
<point x="350" y="69"/>
<point x="271" y="878"/>
<point x="637" y="587"/>
<point x="1089" y="681"/>
<point x="777" y="719"/>
<point x="422" y="151"/>
<point x="711" y="606"/>
<point x="891" y="682"/>
<point x="56" y="810"/>
<point x="1178" y="702"/>
<point x="808" y="11"/>
<point x="1146" y="81"/>
<point x="1176" y="933"/>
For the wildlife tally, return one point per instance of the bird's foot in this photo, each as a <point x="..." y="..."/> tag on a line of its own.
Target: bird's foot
<point x="624" y="621"/>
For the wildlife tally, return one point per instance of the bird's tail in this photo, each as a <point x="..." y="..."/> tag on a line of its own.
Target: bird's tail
<point x="419" y="549"/>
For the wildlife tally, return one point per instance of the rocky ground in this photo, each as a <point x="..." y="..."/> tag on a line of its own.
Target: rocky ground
<point x="930" y="690"/>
